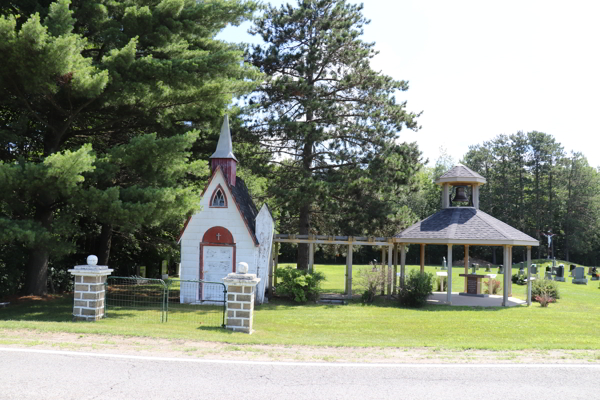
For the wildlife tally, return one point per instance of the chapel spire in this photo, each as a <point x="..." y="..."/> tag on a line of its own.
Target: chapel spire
<point x="223" y="156"/>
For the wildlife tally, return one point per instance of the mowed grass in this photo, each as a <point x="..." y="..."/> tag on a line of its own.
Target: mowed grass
<point x="571" y="323"/>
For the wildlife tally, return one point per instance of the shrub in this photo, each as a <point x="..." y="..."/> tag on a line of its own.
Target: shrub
<point x="544" y="300"/>
<point x="417" y="288"/>
<point x="495" y="286"/>
<point x="541" y="287"/>
<point x="298" y="285"/>
<point x="519" y="280"/>
<point x="369" y="281"/>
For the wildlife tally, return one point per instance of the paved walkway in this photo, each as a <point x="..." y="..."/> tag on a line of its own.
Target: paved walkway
<point x="457" y="300"/>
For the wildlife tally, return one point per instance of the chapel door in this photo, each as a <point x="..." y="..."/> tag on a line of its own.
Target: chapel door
<point x="217" y="261"/>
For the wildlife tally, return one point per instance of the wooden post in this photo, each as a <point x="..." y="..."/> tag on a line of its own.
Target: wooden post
<point x="349" y="277"/>
<point x="449" y="283"/>
<point x="311" y="256"/>
<point x="528" y="275"/>
<point x="270" y="281"/>
<point x="422" y="258"/>
<point x="382" y="271"/>
<point x="506" y="278"/>
<point x="389" y="266"/>
<point x="395" y="276"/>
<point x="276" y="264"/>
<point x="466" y="264"/>
<point x="402" y="264"/>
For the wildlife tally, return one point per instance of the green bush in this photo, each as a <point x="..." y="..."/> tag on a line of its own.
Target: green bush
<point x="298" y="285"/>
<point x="542" y="287"/>
<point x="369" y="280"/>
<point x="417" y="288"/>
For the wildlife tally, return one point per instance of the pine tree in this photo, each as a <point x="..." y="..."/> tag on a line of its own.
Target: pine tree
<point x="101" y="72"/>
<point x="330" y="118"/>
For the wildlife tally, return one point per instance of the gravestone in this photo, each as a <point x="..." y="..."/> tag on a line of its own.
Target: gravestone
<point x="444" y="266"/>
<point x="560" y="273"/>
<point x="534" y="270"/>
<point x="500" y="269"/>
<point x="487" y="268"/>
<point x="571" y="269"/>
<point x="521" y="271"/>
<point x="579" y="276"/>
<point x="474" y="268"/>
<point x="595" y="276"/>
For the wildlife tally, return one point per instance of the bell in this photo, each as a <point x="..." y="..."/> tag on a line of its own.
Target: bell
<point x="460" y="194"/>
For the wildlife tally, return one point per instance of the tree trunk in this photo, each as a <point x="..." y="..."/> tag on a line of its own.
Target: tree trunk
<point x="104" y="243"/>
<point x="36" y="269"/>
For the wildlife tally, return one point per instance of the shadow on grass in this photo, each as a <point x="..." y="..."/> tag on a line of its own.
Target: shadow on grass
<point x="56" y="310"/>
<point x="380" y="302"/>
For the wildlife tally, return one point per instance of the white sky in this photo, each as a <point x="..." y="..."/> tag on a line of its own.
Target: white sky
<point x="480" y="68"/>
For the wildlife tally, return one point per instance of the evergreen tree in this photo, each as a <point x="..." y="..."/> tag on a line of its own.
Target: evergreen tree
<point x="331" y="120"/>
<point x="101" y="72"/>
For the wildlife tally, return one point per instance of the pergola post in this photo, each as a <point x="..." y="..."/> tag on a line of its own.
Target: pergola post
<point x="422" y="258"/>
<point x="402" y="264"/>
<point x="528" y="275"/>
<point x="395" y="274"/>
<point x="276" y="263"/>
<point x="466" y="264"/>
<point x="389" y="260"/>
<point x="449" y="283"/>
<point x="311" y="256"/>
<point x="506" y="277"/>
<point x="349" y="272"/>
<point x="382" y="270"/>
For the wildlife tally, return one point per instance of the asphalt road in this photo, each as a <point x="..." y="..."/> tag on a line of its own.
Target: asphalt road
<point x="39" y="374"/>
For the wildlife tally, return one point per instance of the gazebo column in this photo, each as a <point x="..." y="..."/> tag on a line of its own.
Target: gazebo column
<point x="506" y="277"/>
<point x="389" y="260"/>
<point x="395" y="274"/>
<point x="510" y="258"/>
<point x="466" y="264"/>
<point x="449" y="283"/>
<point x="528" y="275"/>
<point x="402" y="264"/>
<point x="422" y="258"/>
<point x="311" y="256"/>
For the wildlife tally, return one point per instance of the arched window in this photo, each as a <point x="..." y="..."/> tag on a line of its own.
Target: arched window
<point x="218" y="198"/>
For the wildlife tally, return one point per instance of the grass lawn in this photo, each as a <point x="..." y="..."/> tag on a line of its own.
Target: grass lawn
<point x="571" y="323"/>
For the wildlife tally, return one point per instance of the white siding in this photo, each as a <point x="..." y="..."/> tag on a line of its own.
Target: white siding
<point x="207" y="218"/>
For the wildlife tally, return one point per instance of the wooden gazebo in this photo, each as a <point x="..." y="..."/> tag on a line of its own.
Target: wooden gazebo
<point x="467" y="226"/>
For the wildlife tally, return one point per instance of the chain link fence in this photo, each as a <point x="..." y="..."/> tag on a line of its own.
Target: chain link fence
<point x="156" y="300"/>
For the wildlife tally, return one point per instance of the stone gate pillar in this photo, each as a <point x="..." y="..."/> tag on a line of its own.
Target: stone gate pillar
<point x="89" y="290"/>
<point x="240" y="299"/>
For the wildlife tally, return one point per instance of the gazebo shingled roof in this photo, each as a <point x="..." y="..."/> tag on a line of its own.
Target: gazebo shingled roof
<point x="464" y="225"/>
<point x="460" y="173"/>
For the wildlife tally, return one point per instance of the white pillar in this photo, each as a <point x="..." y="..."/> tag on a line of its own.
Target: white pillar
<point x="395" y="280"/>
<point x="507" y="277"/>
<point x="476" y="195"/>
<point x="528" y="275"/>
<point x="449" y="283"/>
<point x="445" y="195"/>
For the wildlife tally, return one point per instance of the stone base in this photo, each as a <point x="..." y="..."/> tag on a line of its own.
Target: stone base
<point x="559" y="279"/>
<point x="580" y="281"/>
<point x="473" y="295"/>
<point x="595" y="278"/>
<point x="87" y="318"/>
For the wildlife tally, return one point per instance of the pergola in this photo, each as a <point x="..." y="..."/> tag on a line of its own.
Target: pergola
<point x="466" y="226"/>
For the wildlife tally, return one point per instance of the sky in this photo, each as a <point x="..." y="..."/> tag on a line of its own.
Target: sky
<point x="478" y="69"/>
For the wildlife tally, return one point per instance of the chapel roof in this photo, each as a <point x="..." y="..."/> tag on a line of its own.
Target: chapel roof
<point x="464" y="225"/>
<point x="246" y="205"/>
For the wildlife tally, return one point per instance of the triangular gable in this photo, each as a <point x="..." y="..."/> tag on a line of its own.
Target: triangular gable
<point x="241" y="198"/>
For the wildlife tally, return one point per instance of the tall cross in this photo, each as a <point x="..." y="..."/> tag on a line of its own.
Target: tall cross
<point x="218" y="236"/>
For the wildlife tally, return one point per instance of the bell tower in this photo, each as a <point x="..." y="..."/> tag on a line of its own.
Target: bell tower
<point x="460" y="178"/>
<point x="223" y="156"/>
